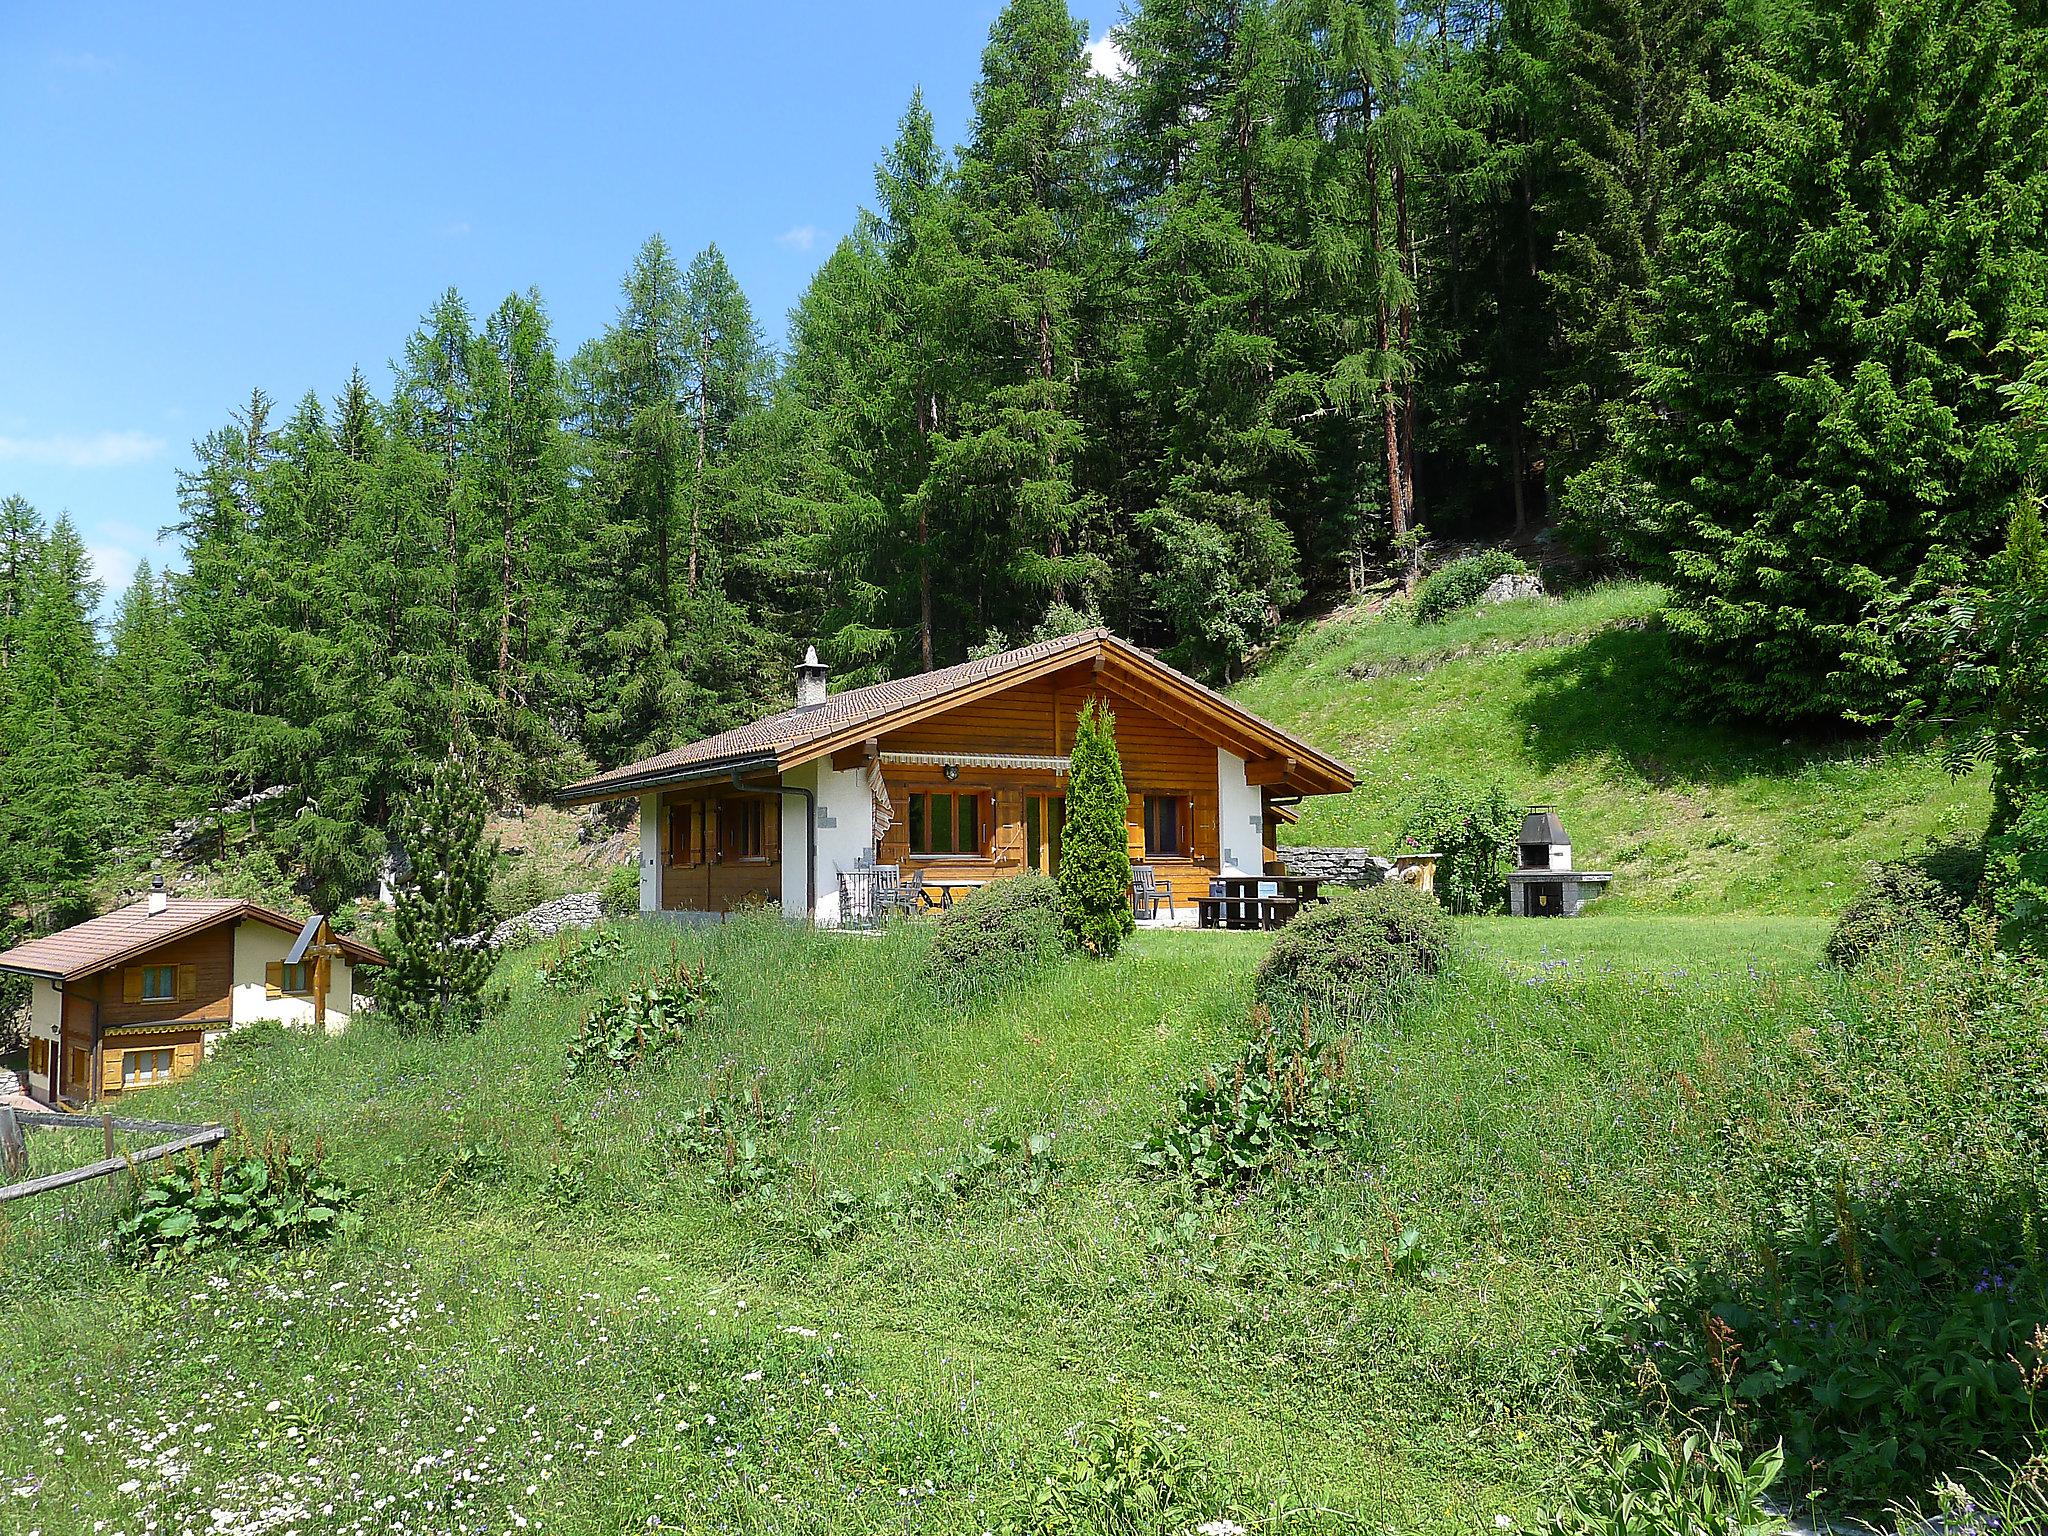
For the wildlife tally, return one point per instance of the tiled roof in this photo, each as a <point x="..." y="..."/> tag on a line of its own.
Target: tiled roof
<point x="103" y="941"/>
<point x="782" y="740"/>
<point x="774" y="735"/>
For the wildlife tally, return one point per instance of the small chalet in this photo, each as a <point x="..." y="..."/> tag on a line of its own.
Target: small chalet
<point x="139" y="996"/>
<point x="959" y="775"/>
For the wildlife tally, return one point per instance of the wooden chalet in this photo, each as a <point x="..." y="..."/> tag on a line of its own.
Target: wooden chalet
<point x="138" y="996"/>
<point x="960" y="775"/>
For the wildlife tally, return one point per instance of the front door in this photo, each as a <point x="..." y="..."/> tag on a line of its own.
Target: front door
<point x="74" y="1051"/>
<point x="1045" y="825"/>
<point x="1546" y="898"/>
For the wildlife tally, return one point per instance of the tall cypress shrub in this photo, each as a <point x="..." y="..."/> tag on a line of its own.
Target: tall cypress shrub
<point x="440" y="961"/>
<point x="1095" y="859"/>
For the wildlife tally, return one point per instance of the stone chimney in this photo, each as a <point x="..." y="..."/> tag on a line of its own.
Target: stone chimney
<point x="810" y="681"/>
<point x="158" y="901"/>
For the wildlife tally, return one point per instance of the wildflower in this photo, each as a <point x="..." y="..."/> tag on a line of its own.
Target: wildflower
<point x="1503" y="1522"/>
<point x="1220" y="1527"/>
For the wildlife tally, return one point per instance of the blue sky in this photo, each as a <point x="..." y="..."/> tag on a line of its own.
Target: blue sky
<point x="198" y="200"/>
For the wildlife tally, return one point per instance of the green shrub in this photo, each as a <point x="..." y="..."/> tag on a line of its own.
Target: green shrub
<point x="241" y="1196"/>
<point x="255" y="1038"/>
<point x="1120" y="1479"/>
<point x="1274" y="1107"/>
<point x="1699" y="1485"/>
<point x="1472" y="832"/>
<point x="576" y="961"/>
<point x="620" y="894"/>
<point x="998" y="935"/>
<point x="1344" y="957"/>
<point x="626" y="1032"/>
<point x="1901" y="904"/>
<point x="1875" y="1330"/>
<point x="1458" y="584"/>
<point x="1095" y="857"/>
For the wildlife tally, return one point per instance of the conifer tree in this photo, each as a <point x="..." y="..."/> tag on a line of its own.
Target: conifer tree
<point x="1095" y="858"/>
<point x="440" y="961"/>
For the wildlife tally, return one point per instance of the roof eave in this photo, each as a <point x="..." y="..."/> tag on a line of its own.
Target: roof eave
<point x="596" y="791"/>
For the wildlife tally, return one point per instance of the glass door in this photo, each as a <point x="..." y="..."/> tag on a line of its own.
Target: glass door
<point x="1045" y="823"/>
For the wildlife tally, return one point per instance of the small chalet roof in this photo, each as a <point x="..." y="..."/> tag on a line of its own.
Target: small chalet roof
<point x="778" y="742"/>
<point x="101" y="942"/>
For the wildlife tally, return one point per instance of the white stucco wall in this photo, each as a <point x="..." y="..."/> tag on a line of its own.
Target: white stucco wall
<point x="845" y="826"/>
<point x="45" y="1022"/>
<point x="650" y="852"/>
<point x="256" y="945"/>
<point x="1240" y="818"/>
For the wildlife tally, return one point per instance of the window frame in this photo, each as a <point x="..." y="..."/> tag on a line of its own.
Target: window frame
<point x="40" y="1052"/>
<point x="304" y="970"/>
<point x="917" y="814"/>
<point x="169" y="1063"/>
<point x="748" y="816"/>
<point x="170" y="975"/>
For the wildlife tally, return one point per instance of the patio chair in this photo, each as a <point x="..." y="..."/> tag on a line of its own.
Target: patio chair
<point x="1147" y="890"/>
<point x="888" y="891"/>
<point x="915" y="898"/>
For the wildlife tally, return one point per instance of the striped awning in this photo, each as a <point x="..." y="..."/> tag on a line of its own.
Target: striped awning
<point x="1045" y="764"/>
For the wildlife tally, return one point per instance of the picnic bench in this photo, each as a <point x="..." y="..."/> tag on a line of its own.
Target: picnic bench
<point x="1256" y="901"/>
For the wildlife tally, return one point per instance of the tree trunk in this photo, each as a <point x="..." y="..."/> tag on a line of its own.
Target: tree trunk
<point x="1396" y="504"/>
<point x="1404" y="245"/>
<point x="1518" y="473"/>
<point x="697" y="491"/>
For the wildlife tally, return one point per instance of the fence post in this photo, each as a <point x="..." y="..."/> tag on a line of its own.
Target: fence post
<point x="13" y="1148"/>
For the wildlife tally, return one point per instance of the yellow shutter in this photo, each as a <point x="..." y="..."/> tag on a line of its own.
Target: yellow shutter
<point x="188" y="983"/>
<point x="131" y="984"/>
<point x="186" y="1059"/>
<point x="1201" y="834"/>
<point x="1134" y="829"/>
<point x="110" y="1072"/>
<point x="273" y="978"/>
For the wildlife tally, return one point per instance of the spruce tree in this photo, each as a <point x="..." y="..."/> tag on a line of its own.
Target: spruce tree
<point x="1095" y="858"/>
<point x="1820" y="426"/>
<point x="440" y="966"/>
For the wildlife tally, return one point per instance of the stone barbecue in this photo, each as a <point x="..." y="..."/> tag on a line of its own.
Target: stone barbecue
<point x="1543" y="883"/>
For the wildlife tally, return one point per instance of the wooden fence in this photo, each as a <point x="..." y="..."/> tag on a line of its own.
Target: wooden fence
<point x="15" y="1123"/>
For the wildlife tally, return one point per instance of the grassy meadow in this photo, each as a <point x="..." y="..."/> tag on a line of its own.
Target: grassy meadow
<point x="552" y="1319"/>
<point x="1569" y="702"/>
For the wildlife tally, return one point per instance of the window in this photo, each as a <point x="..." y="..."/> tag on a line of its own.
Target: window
<point x="141" y="1068"/>
<point x="159" y="983"/>
<point x="686" y="833"/>
<point x="296" y="979"/>
<point x="81" y="1070"/>
<point x="1045" y="823"/>
<point x="740" y="826"/>
<point x="39" y="1057"/>
<point x="1166" y="826"/>
<point x="950" y="823"/>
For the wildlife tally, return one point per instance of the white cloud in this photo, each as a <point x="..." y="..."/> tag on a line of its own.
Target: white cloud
<point x="801" y="238"/>
<point x="1107" y="58"/>
<point x="93" y="450"/>
<point x="112" y="566"/>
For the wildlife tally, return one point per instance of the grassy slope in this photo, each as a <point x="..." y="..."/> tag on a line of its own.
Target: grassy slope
<point x="472" y="1344"/>
<point x="1570" y="703"/>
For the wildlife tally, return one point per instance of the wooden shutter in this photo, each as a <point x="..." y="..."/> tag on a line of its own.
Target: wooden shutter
<point x="188" y="983"/>
<point x="771" y="829"/>
<point x="1201" y="835"/>
<point x="678" y="835"/>
<point x="273" y="978"/>
<point x="131" y="984"/>
<point x="186" y="1059"/>
<point x="110" y="1072"/>
<point x="1134" y="828"/>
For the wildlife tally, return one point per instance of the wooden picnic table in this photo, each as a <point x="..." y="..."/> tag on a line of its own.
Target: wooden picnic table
<point x="1256" y="901"/>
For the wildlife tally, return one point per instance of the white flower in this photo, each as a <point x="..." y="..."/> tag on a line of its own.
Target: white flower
<point x="1220" y="1527"/>
<point x="1503" y="1522"/>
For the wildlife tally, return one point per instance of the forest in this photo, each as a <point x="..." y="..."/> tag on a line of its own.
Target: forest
<point x="1749" y="296"/>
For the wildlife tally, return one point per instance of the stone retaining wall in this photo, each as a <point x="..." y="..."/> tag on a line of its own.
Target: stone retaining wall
<point x="1337" y="866"/>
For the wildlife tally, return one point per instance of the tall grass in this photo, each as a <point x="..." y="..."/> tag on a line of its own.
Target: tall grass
<point x="539" y="1261"/>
